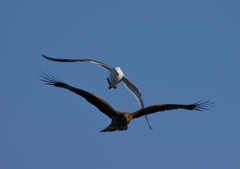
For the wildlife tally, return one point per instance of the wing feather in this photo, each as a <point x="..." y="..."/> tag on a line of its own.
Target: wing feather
<point x="80" y="60"/>
<point x="134" y="90"/>
<point x="94" y="99"/>
<point x="199" y="106"/>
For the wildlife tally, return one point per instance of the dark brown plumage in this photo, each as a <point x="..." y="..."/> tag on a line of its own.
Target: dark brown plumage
<point x="120" y="120"/>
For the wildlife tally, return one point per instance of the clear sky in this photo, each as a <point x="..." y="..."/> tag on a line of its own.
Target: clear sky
<point x="176" y="52"/>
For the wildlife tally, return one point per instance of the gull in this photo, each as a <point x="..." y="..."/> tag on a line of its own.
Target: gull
<point x="116" y="76"/>
<point x="120" y="120"/>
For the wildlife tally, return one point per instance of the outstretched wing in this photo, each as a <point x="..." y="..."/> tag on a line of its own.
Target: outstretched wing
<point x="134" y="90"/>
<point x="94" y="99"/>
<point x="80" y="60"/>
<point x="199" y="106"/>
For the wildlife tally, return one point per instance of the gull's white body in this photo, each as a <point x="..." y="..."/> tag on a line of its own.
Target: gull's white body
<point x="115" y="77"/>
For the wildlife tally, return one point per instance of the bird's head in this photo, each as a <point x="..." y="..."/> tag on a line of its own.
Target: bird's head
<point x="125" y="119"/>
<point x="118" y="70"/>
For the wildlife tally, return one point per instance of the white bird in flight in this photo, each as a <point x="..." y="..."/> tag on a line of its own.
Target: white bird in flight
<point x="115" y="77"/>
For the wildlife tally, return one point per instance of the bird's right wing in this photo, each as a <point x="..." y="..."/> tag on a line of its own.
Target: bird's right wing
<point x="134" y="90"/>
<point x="94" y="99"/>
<point x="199" y="106"/>
<point x="80" y="60"/>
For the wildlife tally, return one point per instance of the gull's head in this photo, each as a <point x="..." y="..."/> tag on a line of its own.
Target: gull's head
<point x="118" y="70"/>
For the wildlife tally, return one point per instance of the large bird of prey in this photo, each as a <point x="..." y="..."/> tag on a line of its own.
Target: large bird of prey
<point x="120" y="120"/>
<point x="116" y="76"/>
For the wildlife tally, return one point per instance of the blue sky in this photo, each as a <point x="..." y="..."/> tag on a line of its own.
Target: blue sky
<point x="175" y="52"/>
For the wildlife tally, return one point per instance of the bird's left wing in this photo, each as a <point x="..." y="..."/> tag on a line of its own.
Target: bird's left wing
<point x="134" y="90"/>
<point x="94" y="99"/>
<point x="80" y="60"/>
<point x="199" y="106"/>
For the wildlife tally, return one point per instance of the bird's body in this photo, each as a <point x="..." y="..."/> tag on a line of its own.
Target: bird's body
<point x="116" y="76"/>
<point x="120" y="120"/>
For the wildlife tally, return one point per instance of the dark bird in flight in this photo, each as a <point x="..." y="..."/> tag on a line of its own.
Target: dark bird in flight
<point x="120" y="120"/>
<point x="116" y="76"/>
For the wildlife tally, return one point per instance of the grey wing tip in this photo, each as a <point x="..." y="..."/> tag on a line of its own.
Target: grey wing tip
<point x="141" y="103"/>
<point x="49" y="58"/>
<point x="44" y="56"/>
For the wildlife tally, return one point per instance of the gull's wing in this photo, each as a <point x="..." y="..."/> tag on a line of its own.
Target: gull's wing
<point x="134" y="90"/>
<point x="80" y="60"/>
<point x="94" y="99"/>
<point x="199" y="106"/>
